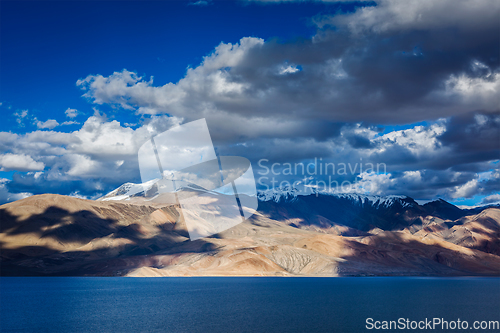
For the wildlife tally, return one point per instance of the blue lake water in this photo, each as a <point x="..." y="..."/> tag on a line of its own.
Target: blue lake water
<point x="72" y="304"/>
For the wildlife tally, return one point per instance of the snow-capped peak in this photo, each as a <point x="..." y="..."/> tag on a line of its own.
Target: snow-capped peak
<point x="290" y="194"/>
<point x="375" y="200"/>
<point x="127" y="190"/>
<point x="286" y="193"/>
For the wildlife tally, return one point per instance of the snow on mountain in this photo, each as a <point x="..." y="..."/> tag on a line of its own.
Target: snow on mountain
<point x="290" y="194"/>
<point x="287" y="193"/>
<point x="283" y="194"/>
<point x="375" y="200"/>
<point x="127" y="190"/>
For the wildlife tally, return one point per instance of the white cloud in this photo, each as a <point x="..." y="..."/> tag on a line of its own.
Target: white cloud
<point x="192" y="97"/>
<point x="479" y="92"/>
<point x="111" y="89"/>
<point x="89" y="154"/>
<point x="85" y="167"/>
<point x="76" y="194"/>
<point x="395" y="15"/>
<point x="72" y="122"/>
<point x="491" y="199"/>
<point x="252" y="80"/>
<point x="381" y="183"/>
<point x="288" y="69"/>
<point x="110" y="139"/>
<point x="369" y="183"/>
<point x="6" y="196"/>
<point x="19" y="162"/>
<point x="20" y="116"/>
<point x="466" y="190"/>
<point x="71" y="113"/>
<point x="200" y="3"/>
<point x="482" y="183"/>
<point x="50" y="123"/>
<point x="421" y="141"/>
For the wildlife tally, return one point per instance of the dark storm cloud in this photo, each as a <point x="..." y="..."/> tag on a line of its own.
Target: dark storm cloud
<point x="473" y="132"/>
<point x="357" y="141"/>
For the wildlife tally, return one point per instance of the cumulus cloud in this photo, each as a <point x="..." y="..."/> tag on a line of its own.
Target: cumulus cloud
<point x="466" y="190"/>
<point x="482" y="183"/>
<point x="91" y="161"/>
<point x="20" y="162"/>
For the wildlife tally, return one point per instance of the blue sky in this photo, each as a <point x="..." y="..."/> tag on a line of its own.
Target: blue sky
<point x="415" y="88"/>
<point x="47" y="46"/>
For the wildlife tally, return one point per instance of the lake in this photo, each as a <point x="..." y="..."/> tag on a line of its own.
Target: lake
<point x="241" y="304"/>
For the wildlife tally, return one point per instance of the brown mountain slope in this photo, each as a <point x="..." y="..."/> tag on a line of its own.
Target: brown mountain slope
<point x="58" y="235"/>
<point x="480" y="231"/>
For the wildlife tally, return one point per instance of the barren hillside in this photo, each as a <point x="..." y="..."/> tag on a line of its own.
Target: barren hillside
<point x="59" y="235"/>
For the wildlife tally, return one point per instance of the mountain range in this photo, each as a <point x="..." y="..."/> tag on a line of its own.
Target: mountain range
<point x="292" y="234"/>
